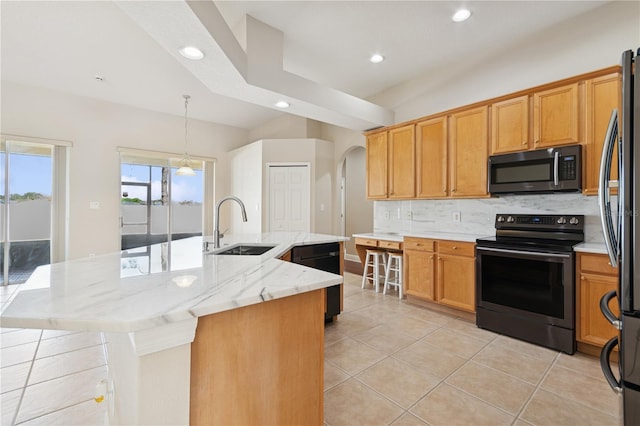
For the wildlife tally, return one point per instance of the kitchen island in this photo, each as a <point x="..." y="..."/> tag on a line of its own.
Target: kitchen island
<point x="194" y="338"/>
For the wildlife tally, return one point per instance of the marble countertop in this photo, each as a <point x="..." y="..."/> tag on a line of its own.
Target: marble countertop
<point x="162" y="284"/>
<point x="598" y="248"/>
<point x="435" y="235"/>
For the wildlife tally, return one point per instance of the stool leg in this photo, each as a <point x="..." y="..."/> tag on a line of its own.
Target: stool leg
<point x="387" y="275"/>
<point x="376" y="271"/>
<point x="365" y="273"/>
<point x="400" y="284"/>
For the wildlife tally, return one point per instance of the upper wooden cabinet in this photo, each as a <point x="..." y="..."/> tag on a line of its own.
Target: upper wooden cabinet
<point x="510" y="125"/>
<point x="602" y="95"/>
<point x="402" y="162"/>
<point x="377" y="165"/>
<point x="445" y="155"/>
<point x="555" y="116"/>
<point x="431" y="158"/>
<point x="468" y="153"/>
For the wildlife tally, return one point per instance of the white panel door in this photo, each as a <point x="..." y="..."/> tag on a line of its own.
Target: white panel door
<point x="289" y="198"/>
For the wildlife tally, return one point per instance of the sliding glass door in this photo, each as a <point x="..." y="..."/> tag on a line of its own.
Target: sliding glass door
<point x="26" y="196"/>
<point x="156" y="204"/>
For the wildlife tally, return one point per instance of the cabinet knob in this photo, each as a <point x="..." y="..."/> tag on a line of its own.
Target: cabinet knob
<point x="455" y="247"/>
<point x="537" y="142"/>
<point x="431" y="257"/>
<point x="419" y="244"/>
<point x="524" y="142"/>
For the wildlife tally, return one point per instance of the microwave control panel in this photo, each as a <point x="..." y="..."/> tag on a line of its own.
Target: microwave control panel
<point x="567" y="167"/>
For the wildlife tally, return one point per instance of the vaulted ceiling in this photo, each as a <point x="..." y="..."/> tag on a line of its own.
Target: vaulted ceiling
<point x="313" y="54"/>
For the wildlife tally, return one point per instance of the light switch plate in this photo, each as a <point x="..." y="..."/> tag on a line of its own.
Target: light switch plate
<point x="94" y="205"/>
<point x="456" y="216"/>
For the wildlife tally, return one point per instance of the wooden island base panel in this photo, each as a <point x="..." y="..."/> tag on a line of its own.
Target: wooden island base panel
<point x="260" y="364"/>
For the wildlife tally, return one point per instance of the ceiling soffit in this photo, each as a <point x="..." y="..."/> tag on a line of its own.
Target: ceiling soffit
<point x="257" y="75"/>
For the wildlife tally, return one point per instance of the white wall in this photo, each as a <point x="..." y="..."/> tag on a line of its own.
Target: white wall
<point x="359" y="210"/>
<point x="246" y="184"/>
<point x="96" y="128"/>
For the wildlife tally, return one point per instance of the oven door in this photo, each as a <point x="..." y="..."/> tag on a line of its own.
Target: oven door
<point x="530" y="284"/>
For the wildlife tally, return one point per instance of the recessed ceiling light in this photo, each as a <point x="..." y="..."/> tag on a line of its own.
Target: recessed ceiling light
<point x="282" y="104"/>
<point x="376" y="58"/>
<point x="461" y="15"/>
<point x="191" y="52"/>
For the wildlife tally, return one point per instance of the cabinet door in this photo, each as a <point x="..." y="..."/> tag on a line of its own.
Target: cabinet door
<point x="402" y="162"/>
<point x="592" y="326"/>
<point x="510" y="125"/>
<point x="555" y="116"/>
<point x="377" y="165"/>
<point x="419" y="274"/>
<point x="468" y="153"/>
<point x="456" y="282"/>
<point x="602" y="97"/>
<point x="431" y="158"/>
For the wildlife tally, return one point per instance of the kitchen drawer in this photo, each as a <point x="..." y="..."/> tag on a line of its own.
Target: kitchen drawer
<point x="598" y="263"/>
<point x="423" y="244"/>
<point x="456" y="247"/>
<point x="369" y="242"/>
<point x="391" y="245"/>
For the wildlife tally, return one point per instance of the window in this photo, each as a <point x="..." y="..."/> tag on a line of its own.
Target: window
<point x="33" y="186"/>
<point x="156" y="204"/>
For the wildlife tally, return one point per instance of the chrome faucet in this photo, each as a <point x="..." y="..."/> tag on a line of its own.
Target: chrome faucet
<point x="216" y="232"/>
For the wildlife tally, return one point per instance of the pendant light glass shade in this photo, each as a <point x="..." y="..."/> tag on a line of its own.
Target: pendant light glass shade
<point x="185" y="168"/>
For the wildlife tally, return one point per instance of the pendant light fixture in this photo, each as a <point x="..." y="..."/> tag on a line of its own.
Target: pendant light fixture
<point x="185" y="167"/>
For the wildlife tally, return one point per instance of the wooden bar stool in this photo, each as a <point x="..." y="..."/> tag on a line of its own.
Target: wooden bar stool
<point x="373" y="262"/>
<point x="393" y="273"/>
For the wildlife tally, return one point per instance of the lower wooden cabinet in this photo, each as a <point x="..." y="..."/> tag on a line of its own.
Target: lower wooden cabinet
<point x="595" y="277"/>
<point x="419" y="263"/>
<point x="456" y="282"/>
<point x="440" y="271"/>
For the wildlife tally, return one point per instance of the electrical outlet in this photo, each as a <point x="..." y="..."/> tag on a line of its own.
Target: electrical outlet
<point x="409" y="214"/>
<point x="387" y="215"/>
<point x="456" y="216"/>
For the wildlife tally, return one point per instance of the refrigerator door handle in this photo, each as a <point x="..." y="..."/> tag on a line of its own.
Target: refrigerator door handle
<point x="606" y="367"/>
<point x="604" y="308"/>
<point x="604" y="201"/>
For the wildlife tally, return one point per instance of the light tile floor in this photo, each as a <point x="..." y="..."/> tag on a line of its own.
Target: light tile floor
<point x="386" y="362"/>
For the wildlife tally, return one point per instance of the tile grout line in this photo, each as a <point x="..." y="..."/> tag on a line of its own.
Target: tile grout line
<point x="24" y="387"/>
<point x="538" y="386"/>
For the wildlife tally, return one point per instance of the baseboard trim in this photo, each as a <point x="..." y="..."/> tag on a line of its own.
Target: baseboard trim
<point x="354" y="267"/>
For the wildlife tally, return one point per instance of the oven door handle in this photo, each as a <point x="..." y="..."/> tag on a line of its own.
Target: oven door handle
<point x="604" y="308"/>
<point x="528" y="253"/>
<point x="604" y="201"/>
<point x="606" y="367"/>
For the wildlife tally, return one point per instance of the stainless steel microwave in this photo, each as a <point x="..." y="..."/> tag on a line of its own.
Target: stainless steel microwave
<point x="540" y="171"/>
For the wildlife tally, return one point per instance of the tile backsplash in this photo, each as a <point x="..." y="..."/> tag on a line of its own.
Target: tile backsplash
<point x="477" y="215"/>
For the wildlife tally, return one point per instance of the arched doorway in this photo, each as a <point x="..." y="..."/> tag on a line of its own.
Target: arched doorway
<point x="356" y="211"/>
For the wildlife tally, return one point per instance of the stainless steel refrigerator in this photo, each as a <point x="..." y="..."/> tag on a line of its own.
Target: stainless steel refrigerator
<point x="621" y="226"/>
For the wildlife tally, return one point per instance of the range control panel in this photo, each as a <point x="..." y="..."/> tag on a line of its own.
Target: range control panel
<point x="542" y="222"/>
